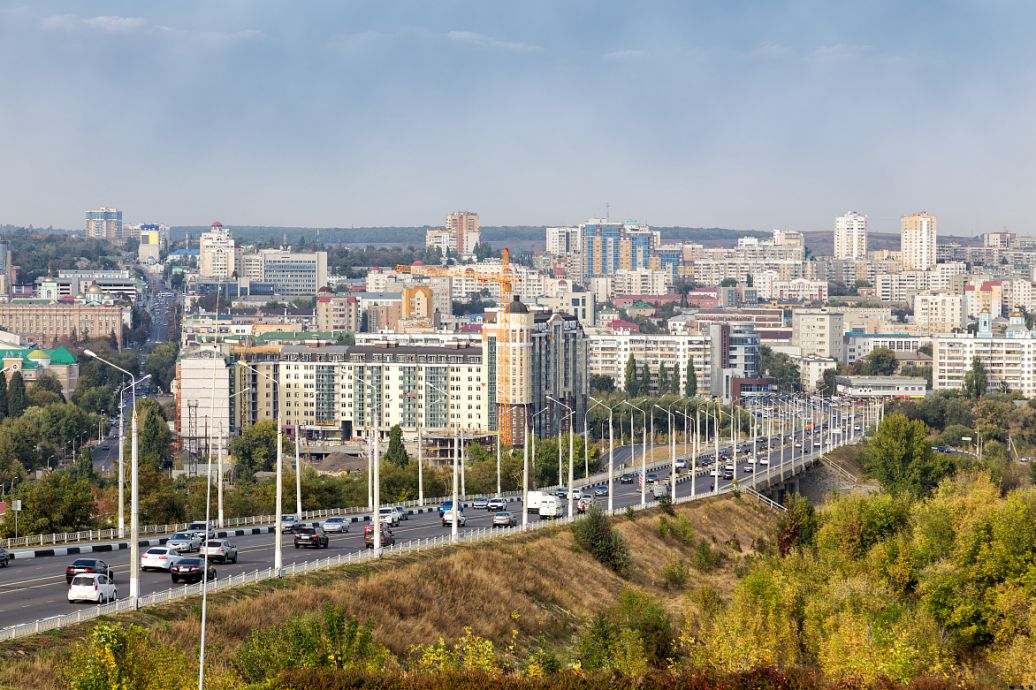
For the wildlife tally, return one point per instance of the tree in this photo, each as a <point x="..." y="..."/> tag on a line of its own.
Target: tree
<point x="632" y="382"/>
<point x="155" y="442"/>
<point x="728" y="282"/>
<point x="46" y="381"/>
<point x="396" y="450"/>
<point x="797" y="525"/>
<point x="779" y="366"/>
<point x="57" y="502"/>
<point x="662" y="386"/>
<point x="900" y="456"/>
<point x="602" y="384"/>
<point x="16" y="399"/>
<point x="255" y="450"/>
<point x="828" y="385"/>
<point x="3" y="396"/>
<point x="880" y="362"/>
<point x="161" y="364"/>
<point x="674" y="382"/>
<point x="976" y="381"/>
<point x="691" y="387"/>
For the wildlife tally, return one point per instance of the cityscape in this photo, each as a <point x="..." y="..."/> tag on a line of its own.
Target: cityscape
<point x="452" y="436"/>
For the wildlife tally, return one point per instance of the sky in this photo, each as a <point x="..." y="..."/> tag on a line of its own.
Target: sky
<point x="344" y="113"/>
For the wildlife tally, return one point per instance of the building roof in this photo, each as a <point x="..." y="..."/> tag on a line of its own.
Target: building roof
<point x="293" y="335"/>
<point x="30" y="357"/>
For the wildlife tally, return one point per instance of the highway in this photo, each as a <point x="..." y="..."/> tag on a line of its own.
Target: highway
<point x="31" y="589"/>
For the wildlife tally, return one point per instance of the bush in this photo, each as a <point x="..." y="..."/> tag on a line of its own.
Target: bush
<point x="705" y="559"/>
<point x="117" y="657"/>
<point x="665" y="502"/>
<point x="679" y="529"/>
<point x="595" y="534"/>
<point x="675" y="573"/>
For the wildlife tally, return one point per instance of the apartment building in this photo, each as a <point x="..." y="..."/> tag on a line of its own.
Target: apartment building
<point x="202" y="391"/>
<point x="564" y="241"/>
<point x="858" y="345"/>
<point x="940" y="312"/>
<point x="286" y="271"/>
<point x="608" y="354"/>
<point x="641" y="281"/>
<point x="851" y="236"/>
<point x="465" y="229"/>
<point x="104" y="224"/>
<point x="1009" y="357"/>
<point x="769" y="285"/>
<point x="217" y="253"/>
<point x="337" y="313"/>
<point x="818" y="332"/>
<point x="47" y="323"/>
<point x="984" y="296"/>
<point x="734" y="362"/>
<point x="918" y="241"/>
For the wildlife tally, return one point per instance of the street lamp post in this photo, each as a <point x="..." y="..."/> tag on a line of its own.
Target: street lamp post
<point x="611" y="447"/>
<point x="219" y="466"/>
<point x="643" y="456"/>
<point x="571" y="449"/>
<point x="134" y="565"/>
<point x="279" y="493"/>
<point x="375" y="475"/>
<point x="122" y="455"/>
<point x="672" y="450"/>
<point x="532" y="443"/>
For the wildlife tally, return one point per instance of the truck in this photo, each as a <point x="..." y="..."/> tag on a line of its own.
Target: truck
<point x="550" y="508"/>
<point x="660" y="488"/>
<point x="535" y="499"/>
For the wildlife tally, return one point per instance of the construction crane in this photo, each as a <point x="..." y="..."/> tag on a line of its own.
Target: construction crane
<point x="510" y="403"/>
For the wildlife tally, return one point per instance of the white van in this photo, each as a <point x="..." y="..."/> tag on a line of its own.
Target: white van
<point x="550" y="508"/>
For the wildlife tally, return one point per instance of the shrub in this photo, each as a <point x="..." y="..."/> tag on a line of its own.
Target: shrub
<point x="117" y="657"/>
<point x="595" y="534"/>
<point x="675" y="573"/>
<point x="596" y="643"/>
<point x="705" y="559"/>
<point x="631" y="514"/>
<point x="645" y="616"/>
<point x="665" y="502"/>
<point x="679" y="529"/>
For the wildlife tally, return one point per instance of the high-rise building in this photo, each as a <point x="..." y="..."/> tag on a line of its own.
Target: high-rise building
<point x="464" y="226"/>
<point x="564" y="241"/>
<point x="734" y="361"/>
<point x="217" y="255"/>
<point x="1008" y="357"/>
<point x="818" y="332"/>
<point x="337" y="313"/>
<point x="851" y="236"/>
<point x="104" y="224"/>
<point x="939" y="312"/>
<point x="917" y="241"/>
<point x="290" y="273"/>
<point x="609" y="246"/>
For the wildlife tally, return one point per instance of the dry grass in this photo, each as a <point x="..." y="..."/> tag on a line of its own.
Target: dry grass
<point x="543" y="577"/>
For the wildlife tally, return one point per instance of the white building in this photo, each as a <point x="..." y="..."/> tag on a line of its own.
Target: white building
<point x="851" y="236"/>
<point x="1009" y="357"/>
<point x="640" y="281"/>
<point x="818" y="332"/>
<point x="608" y="354"/>
<point x="881" y="387"/>
<point x="217" y="253"/>
<point x="203" y="400"/>
<point x="918" y="241"/>
<point x="939" y="312"/>
<point x="564" y="241"/>
<point x="290" y="273"/>
<point x="856" y="346"/>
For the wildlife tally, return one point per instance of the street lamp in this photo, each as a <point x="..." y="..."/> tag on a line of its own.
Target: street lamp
<point x="454" y="512"/>
<point x="122" y="454"/>
<point x="672" y="449"/>
<point x="376" y="471"/>
<point x="134" y="564"/>
<point x="611" y="447"/>
<point x="219" y="466"/>
<point x="643" y="455"/>
<point x="571" y="449"/>
<point x="278" y="502"/>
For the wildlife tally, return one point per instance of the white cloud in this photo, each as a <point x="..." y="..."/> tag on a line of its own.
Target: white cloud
<point x="488" y="42"/>
<point x="66" y="22"/>
<point x="115" y="23"/>
<point x="624" y="55"/>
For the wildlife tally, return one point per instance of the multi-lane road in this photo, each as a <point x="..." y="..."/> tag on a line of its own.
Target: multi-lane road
<point x="31" y="589"/>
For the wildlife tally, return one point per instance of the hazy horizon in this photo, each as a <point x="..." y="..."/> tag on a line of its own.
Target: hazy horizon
<point x="345" y="114"/>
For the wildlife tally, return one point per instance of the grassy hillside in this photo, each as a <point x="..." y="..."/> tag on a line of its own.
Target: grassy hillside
<point x="540" y="585"/>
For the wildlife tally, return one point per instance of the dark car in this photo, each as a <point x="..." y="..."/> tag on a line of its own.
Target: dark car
<point x="387" y="539"/>
<point x="311" y="536"/>
<point x="626" y="479"/>
<point x="85" y="565"/>
<point x="190" y="570"/>
<point x="652" y="477"/>
<point x="299" y="526"/>
<point x="5" y="557"/>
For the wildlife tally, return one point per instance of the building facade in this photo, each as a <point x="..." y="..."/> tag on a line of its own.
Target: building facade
<point x="1009" y="357"/>
<point x="918" y="241"/>
<point x="851" y="236"/>
<point x="104" y="224"/>
<point x="465" y="229"/>
<point x="818" y="332"/>
<point x="217" y="253"/>
<point x="48" y="323"/>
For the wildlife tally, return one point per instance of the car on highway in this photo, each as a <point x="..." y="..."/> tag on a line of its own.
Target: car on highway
<point x="96" y="587"/>
<point x="447" y="519"/>
<point x="728" y="474"/>
<point x="159" y="558"/>
<point x="387" y="538"/>
<point x="202" y="529"/>
<point x="5" y="557"/>
<point x="627" y="479"/>
<point x="312" y="537"/>
<point x="748" y="469"/>
<point x="504" y="519"/>
<point x="480" y="503"/>
<point x="185" y="541"/>
<point x="681" y="465"/>
<point x="601" y="490"/>
<point x="403" y="515"/>
<point x="222" y="550"/>
<point x="562" y="492"/>
<point x="652" y="477"/>
<point x="190" y="570"/>
<point x="338" y="523"/>
<point x="496" y="504"/>
<point x="584" y="503"/>
<point x="446" y="506"/>
<point x="764" y="461"/>
<point x="390" y="516"/>
<point x="86" y="565"/>
<point x="577" y="494"/>
<point x="287" y="522"/>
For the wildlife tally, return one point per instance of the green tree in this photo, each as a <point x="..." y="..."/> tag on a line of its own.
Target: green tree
<point x="56" y="502"/>
<point x="155" y="441"/>
<point x="16" y="398"/>
<point x="632" y="381"/>
<point x="674" y="381"/>
<point x="779" y="366"/>
<point x="797" y="525"/>
<point x="255" y="450"/>
<point x="976" y="381"/>
<point x="602" y="384"/>
<point x="662" y="387"/>
<point x="880" y="362"/>
<point x="901" y="458"/>
<point x="691" y="385"/>
<point x="46" y="381"/>
<point x="3" y="396"/>
<point x="396" y="450"/>
<point x="161" y="364"/>
<point x="728" y="282"/>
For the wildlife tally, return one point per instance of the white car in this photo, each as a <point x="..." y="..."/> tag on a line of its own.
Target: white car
<point x="389" y="516"/>
<point x="96" y="587"/>
<point x="447" y="519"/>
<point x="287" y="522"/>
<point x="577" y="494"/>
<point x="185" y="541"/>
<point x="338" y="524"/>
<point x="403" y="515"/>
<point x="159" y="558"/>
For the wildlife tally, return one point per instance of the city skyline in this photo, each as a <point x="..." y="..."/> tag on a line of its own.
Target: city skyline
<point x="695" y="116"/>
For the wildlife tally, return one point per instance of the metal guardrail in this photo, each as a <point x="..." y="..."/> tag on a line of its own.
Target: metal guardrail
<point x="300" y="567"/>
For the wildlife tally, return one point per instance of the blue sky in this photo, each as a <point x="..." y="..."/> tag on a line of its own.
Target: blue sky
<point x="338" y="112"/>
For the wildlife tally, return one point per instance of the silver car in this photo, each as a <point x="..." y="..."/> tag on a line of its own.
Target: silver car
<point x="222" y="550"/>
<point x="337" y="523"/>
<point x="185" y="542"/>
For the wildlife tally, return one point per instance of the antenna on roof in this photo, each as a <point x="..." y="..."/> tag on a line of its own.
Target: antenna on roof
<point x="607" y="211"/>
